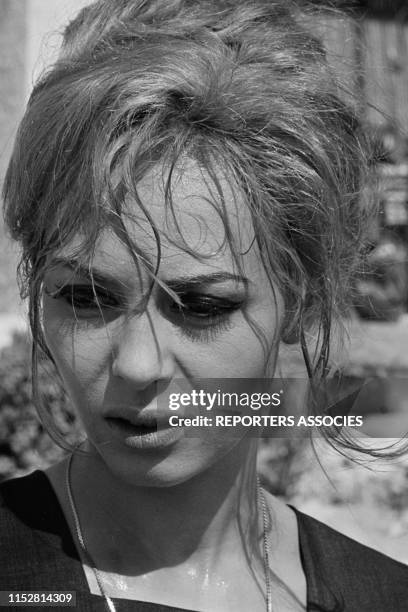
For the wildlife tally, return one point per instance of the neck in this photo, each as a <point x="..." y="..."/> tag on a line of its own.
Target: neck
<point x="196" y="521"/>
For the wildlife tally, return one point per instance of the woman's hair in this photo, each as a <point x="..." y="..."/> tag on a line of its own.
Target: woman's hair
<point x="239" y="86"/>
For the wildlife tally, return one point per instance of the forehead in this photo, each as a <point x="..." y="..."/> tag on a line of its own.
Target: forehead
<point x="197" y="218"/>
<point x="193" y="209"/>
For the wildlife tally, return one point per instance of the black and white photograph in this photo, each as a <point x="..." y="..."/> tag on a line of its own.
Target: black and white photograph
<point x="204" y="305"/>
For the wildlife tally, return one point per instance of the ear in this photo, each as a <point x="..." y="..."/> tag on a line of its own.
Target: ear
<point x="291" y="335"/>
<point x="290" y="362"/>
<point x="294" y="319"/>
<point x="291" y="328"/>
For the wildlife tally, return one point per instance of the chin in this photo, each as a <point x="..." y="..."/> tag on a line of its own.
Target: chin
<point x="170" y="467"/>
<point x="146" y="469"/>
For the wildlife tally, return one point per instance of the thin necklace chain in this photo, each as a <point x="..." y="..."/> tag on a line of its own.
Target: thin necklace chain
<point x="109" y="603"/>
<point x="265" y="543"/>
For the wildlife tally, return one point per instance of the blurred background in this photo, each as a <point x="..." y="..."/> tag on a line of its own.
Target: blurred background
<point x="367" y="499"/>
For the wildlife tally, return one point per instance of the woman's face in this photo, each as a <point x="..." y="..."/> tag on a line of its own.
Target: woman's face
<point x="115" y="349"/>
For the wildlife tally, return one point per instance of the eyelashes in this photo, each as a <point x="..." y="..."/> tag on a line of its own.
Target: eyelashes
<point x="201" y="317"/>
<point x="84" y="297"/>
<point x="205" y="316"/>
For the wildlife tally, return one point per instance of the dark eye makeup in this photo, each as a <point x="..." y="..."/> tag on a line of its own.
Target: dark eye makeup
<point x="200" y="316"/>
<point x="84" y="296"/>
<point x="203" y="316"/>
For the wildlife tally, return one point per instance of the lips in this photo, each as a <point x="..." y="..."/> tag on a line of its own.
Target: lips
<point x="143" y="420"/>
<point x="144" y="429"/>
<point x="129" y="428"/>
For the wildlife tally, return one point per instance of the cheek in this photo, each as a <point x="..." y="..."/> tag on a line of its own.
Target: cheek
<point x="248" y="350"/>
<point x="196" y="455"/>
<point x="82" y="356"/>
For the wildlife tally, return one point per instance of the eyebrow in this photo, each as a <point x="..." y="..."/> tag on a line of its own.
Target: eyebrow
<point x="89" y="272"/>
<point x="184" y="283"/>
<point x="178" y="284"/>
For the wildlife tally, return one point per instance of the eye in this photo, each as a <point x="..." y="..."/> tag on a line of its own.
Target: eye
<point x="204" y="306"/>
<point x="202" y="316"/>
<point x="85" y="297"/>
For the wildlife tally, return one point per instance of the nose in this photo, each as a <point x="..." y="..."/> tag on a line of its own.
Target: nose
<point x="142" y="351"/>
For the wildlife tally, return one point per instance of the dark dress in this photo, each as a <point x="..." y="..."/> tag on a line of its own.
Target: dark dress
<point x="37" y="552"/>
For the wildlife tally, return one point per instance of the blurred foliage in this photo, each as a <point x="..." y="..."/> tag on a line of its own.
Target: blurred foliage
<point x="280" y="464"/>
<point x="24" y="443"/>
<point x="303" y="475"/>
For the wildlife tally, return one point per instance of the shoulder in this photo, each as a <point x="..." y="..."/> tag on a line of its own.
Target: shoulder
<point x="14" y="487"/>
<point x="26" y="503"/>
<point x="33" y="533"/>
<point x="355" y="575"/>
<point x="19" y="506"/>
